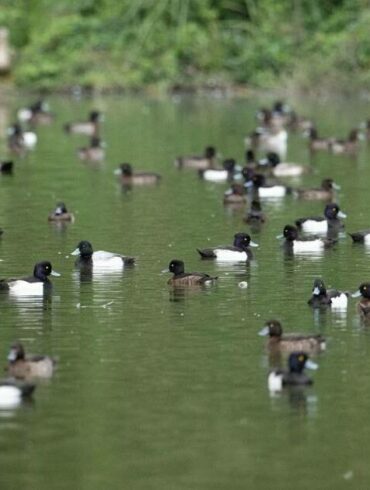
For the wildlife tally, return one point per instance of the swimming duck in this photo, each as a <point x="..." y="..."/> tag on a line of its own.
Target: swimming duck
<point x="6" y="167"/>
<point x="181" y="278"/>
<point x="128" y="177"/>
<point x="219" y="174"/>
<point x="275" y="140"/>
<point x="200" y="162"/>
<point x="291" y="342"/>
<point x="277" y="117"/>
<point x="20" y="141"/>
<point x="315" y="142"/>
<point x="321" y="224"/>
<point x="283" y="169"/>
<point x="35" y="285"/>
<point x="102" y="259"/>
<point x="363" y="306"/>
<point x="362" y="236"/>
<point x="235" y="195"/>
<point x="37" y="113"/>
<point x="12" y="393"/>
<point x="297" y="122"/>
<point x="349" y="146"/>
<point x="238" y="252"/>
<point x="61" y="213"/>
<point x="255" y="214"/>
<point x="325" y="192"/>
<point x="303" y="245"/>
<point x="89" y="127"/>
<point x="294" y="375"/>
<point x="21" y="365"/>
<point x="95" y="152"/>
<point x="325" y="297"/>
<point x="258" y="185"/>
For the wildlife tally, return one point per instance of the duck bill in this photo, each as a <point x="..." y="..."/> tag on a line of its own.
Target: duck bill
<point x="341" y="215"/>
<point x="356" y="294"/>
<point x="264" y="161"/>
<point x="253" y="244"/>
<point x="336" y="187"/>
<point x="279" y="237"/>
<point x="248" y="184"/>
<point x="164" y="271"/>
<point x="264" y="332"/>
<point x="55" y="274"/>
<point x="117" y="171"/>
<point x="76" y="252"/>
<point x="311" y="365"/>
<point x="228" y="192"/>
<point x="316" y="291"/>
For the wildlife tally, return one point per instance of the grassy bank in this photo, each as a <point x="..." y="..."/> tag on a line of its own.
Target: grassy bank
<point x="186" y="44"/>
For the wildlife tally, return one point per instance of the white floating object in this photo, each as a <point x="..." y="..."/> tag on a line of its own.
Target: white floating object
<point x="243" y="284"/>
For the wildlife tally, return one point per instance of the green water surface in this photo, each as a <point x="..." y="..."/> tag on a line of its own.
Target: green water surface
<point x="163" y="391"/>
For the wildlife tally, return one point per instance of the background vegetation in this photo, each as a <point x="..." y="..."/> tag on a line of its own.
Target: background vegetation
<point x="109" y="44"/>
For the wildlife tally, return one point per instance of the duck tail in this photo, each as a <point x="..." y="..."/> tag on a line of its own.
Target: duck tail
<point x="6" y="167"/>
<point x="356" y="237"/>
<point x="129" y="260"/>
<point x="178" y="162"/>
<point x="206" y="253"/>
<point x="27" y="390"/>
<point x="329" y="242"/>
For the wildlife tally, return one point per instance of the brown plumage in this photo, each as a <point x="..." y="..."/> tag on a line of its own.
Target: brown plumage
<point x="326" y="192"/>
<point x="200" y="162"/>
<point x="95" y="152"/>
<point x="291" y="342"/>
<point x="88" y="128"/>
<point x="235" y="195"/>
<point x="128" y="177"/>
<point x="23" y="366"/>
<point x="363" y="306"/>
<point x="316" y="143"/>
<point x="181" y="278"/>
<point x="349" y="146"/>
<point x="60" y="213"/>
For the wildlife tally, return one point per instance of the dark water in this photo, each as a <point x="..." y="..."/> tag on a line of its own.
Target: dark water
<point x="163" y="391"/>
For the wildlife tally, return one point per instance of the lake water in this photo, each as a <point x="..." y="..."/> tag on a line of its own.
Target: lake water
<point x="164" y="391"/>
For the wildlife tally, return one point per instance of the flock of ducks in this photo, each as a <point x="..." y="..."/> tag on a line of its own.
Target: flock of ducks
<point x="255" y="181"/>
<point x="250" y="182"/>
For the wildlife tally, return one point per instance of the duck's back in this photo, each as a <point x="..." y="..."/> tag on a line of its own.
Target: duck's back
<point x="293" y="342"/>
<point x="32" y="366"/>
<point x="191" y="279"/>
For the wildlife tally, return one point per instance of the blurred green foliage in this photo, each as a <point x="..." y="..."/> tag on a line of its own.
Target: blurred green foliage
<point x="187" y="43"/>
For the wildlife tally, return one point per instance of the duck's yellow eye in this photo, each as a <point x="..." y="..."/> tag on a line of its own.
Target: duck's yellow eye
<point x="300" y="358"/>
